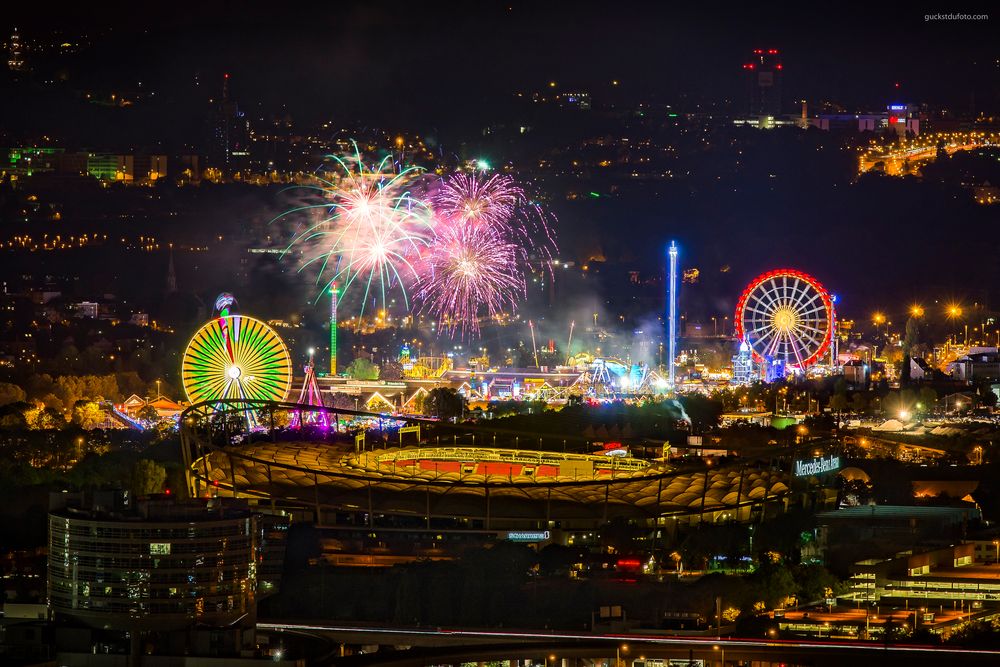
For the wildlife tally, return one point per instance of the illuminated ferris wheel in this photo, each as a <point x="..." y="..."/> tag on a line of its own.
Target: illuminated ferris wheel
<point x="235" y="357"/>
<point x="785" y="316"/>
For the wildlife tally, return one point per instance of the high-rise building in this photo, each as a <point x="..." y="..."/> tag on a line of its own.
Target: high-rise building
<point x="163" y="565"/>
<point x="229" y="134"/>
<point x="763" y="77"/>
<point x="15" y="53"/>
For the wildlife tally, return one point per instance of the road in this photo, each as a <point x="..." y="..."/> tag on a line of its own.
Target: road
<point x="435" y="646"/>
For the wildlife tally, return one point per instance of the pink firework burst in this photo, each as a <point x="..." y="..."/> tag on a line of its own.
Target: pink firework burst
<point x="497" y="201"/>
<point x="470" y="271"/>
<point x="475" y="198"/>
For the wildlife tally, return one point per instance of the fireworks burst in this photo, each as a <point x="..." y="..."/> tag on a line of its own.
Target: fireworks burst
<point x="470" y="268"/>
<point x="488" y="235"/>
<point x="370" y="231"/>
<point x="501" y="203"/>
<point x="470" y="198"/>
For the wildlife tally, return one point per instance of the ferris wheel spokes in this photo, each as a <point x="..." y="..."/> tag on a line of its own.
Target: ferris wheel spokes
<point x="786" y="316"/>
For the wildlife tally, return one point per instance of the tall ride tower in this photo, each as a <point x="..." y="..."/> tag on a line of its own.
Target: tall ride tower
<point x="333" y="330"/>
<point x="672" y="314"/>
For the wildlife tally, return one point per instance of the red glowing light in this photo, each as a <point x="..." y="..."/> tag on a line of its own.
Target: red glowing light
<point x="897" y="84"/>
<point x="629" y="563"/>
<point x="892" y="120"/>
<point x="779" y="66"/>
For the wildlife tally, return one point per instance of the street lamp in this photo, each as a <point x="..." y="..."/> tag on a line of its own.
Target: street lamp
<point x="722" y="649"/>
<point x="996" y="543"/>
<point x="879" y="319"/>
<point x="618" y="654"/>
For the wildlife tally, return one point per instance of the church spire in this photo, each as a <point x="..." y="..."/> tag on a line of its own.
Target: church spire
<point x="171" y="274"/>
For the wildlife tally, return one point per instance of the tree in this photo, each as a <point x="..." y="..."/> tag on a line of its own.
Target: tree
<point x="72" y="388"/>
<point x="987" y="397"/>
<point x="928" y="398"/>
<point x="362" y="369"/>
<point x="391" y="371"/>
<point x="772" y="583"/>
<point x="344" y="401"/>
<point x="88" y="415"/>
<point x="859" y="403"/>
<point x="148" y="477"/>
<point x="838" y="402"/>
<point x="444" y="403"/>
<point x="11" y="393"/>
<point x="910" y="341"/>
<point x="43" y="417"/>
<point x="148" y="413"/>
<point x="815" y="582"/>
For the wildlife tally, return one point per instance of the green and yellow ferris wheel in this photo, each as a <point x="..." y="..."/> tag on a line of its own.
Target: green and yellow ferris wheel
<point x="236" y="357"/>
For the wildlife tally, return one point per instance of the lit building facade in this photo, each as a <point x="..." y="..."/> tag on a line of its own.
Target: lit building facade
<point x="743" y="365"/>
<point x="162" y="565"/>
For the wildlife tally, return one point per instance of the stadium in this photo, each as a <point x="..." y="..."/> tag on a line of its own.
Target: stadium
<point x="322" y="462"/>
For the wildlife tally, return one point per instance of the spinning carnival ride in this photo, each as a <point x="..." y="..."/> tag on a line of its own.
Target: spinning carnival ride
<point x="786" y="318"/>
<point x="235" y="357"/>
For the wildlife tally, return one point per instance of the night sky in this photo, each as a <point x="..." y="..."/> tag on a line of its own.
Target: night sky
<point x="446" y="71"/>
<point x="415" y="63"/>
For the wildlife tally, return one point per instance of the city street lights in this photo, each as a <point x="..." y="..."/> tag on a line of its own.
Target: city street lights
<point x="723" y="651"/>
<point x="996" y="543"/>
<point x="917" y="310"/>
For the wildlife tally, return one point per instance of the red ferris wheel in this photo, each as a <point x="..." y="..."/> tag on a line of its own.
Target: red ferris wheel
<point x="787" y="316"/>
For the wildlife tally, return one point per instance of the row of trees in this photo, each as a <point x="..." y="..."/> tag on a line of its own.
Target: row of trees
<point x="43" y="402"/>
